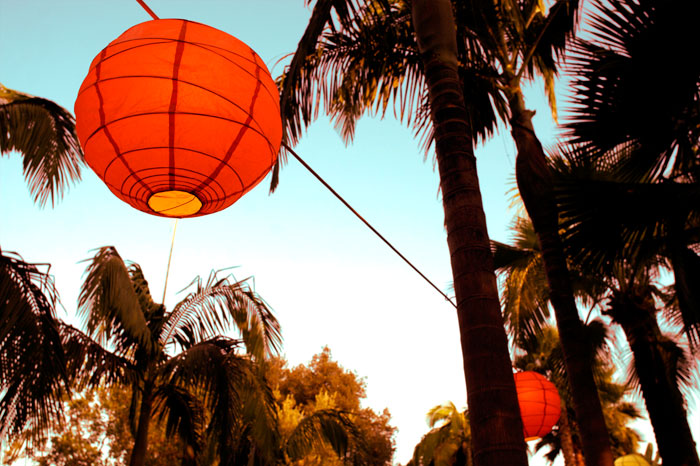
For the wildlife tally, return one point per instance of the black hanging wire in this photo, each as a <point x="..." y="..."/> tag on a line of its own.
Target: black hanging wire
<point x="374" y="230"/>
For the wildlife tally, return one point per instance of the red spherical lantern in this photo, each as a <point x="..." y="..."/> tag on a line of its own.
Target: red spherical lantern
<point x="178" y="119"/>
<point x="540" y="405"/>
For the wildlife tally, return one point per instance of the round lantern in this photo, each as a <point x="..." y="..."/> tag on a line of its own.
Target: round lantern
<point x="631" y="460"/>
<point x="178" y="119"/>
<point x="540" y="405"/>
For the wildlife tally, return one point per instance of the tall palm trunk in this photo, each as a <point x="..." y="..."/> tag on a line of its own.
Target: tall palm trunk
<point x="637" y="317"/>
<point x="567" y="440"/>
<point x="536" y="189"/>
<point x="138" y="454"/>
<point x="494" y="413"/>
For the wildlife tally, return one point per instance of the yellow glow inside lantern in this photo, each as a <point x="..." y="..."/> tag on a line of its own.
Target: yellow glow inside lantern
<point x="174" y="203"/>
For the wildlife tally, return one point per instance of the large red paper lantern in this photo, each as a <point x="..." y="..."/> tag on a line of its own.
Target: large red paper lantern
<point x="178" y="119"/>
<point x="540" y="405"/>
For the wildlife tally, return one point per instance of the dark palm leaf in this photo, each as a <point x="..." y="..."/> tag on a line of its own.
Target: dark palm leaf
<point x="686" y="271"/>
<point x="636" y="87"/>
<point x="296" y="85"/>
<point x="232" y="391"/>
<point x="370" y="62"/>
<point x="89" y="365"/>
<point x="182" y="412"/>
<point x="44" y="133"/>
<point x="216" y="306"/>
<point x="323" y="426"/>
<point x="33" y="377"/>
<point x="606" y="218"/>
<point x="109" y="304"/>
<point x="524" y="296"/>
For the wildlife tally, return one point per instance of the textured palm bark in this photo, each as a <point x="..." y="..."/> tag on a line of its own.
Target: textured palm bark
<point x="494" y="414"/>
<point x="664" y="401"/>
<point x="566" y="439"/>
<point x="537" y="192"/>
<point x="138" y="454"/>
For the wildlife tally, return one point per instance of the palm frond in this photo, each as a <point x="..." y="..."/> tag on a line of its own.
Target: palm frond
<point x="524" y="294"/>
<point x="233" y="392"/>
<point x="368" y="63"/>
<point x="33" y="377"/>
<point x="90" y="365"/>
<point x="323" y="426"/>
<point x="447" y="439"/>
<point x="218" y="305"/>
<point x="296" y="85"/>
<point x="686" y="271"/>
<point x="638" y="45"/>
<point x="44" y="133"/>
<point x="109" y="304"/>
<point x="605" y="218"/>
<point x="182" y="413"/>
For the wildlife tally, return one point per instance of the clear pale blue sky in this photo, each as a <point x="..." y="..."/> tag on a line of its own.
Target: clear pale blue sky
<point x="329" y="280"/>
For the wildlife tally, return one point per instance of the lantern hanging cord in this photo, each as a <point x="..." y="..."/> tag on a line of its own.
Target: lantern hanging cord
<point x="167" y="271"/>
<point x="345" y="203"/>
<point x="148" y="10"/>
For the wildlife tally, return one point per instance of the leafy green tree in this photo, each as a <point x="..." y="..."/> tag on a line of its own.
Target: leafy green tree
<point x="44" y="133"/>
<point x="324" y="388"/>
<point x="97" y="432"/>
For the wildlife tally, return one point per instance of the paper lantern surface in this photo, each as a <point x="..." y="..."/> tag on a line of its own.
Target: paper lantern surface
<point x="540" y="405"/>
<point x="178" y="119"/>
<point x="631" y="460"/>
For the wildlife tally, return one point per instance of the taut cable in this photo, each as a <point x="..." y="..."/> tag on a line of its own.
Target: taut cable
<point x="345" y="203"/>
<point x="170" y="257"/>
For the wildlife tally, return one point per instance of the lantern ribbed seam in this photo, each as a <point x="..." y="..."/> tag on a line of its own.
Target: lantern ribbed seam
<point x="173" y="104"/>
<point x="205" y="46"/>
<point x="111" y="140"/>
<point x="241" y="131"/>
<point x="166" y="40"/>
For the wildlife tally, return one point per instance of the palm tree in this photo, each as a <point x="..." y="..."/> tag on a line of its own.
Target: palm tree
<point x="491" y="391"/>
<point x="44" y="133"/>
<point x="175" y="363"/>
<point x="449" y="441"/>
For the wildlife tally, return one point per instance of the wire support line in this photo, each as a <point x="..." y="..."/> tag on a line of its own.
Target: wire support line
<point x="148" y="10"/>
<point x="374" y="230"/>
<point x="170" y="257"/>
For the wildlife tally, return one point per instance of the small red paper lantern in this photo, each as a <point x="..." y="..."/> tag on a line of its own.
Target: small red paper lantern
<point x="540" y="405"/>
<point x="178" y="119"/>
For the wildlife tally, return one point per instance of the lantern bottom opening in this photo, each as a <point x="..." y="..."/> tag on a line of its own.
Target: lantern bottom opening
<point x="174" y="203"/>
